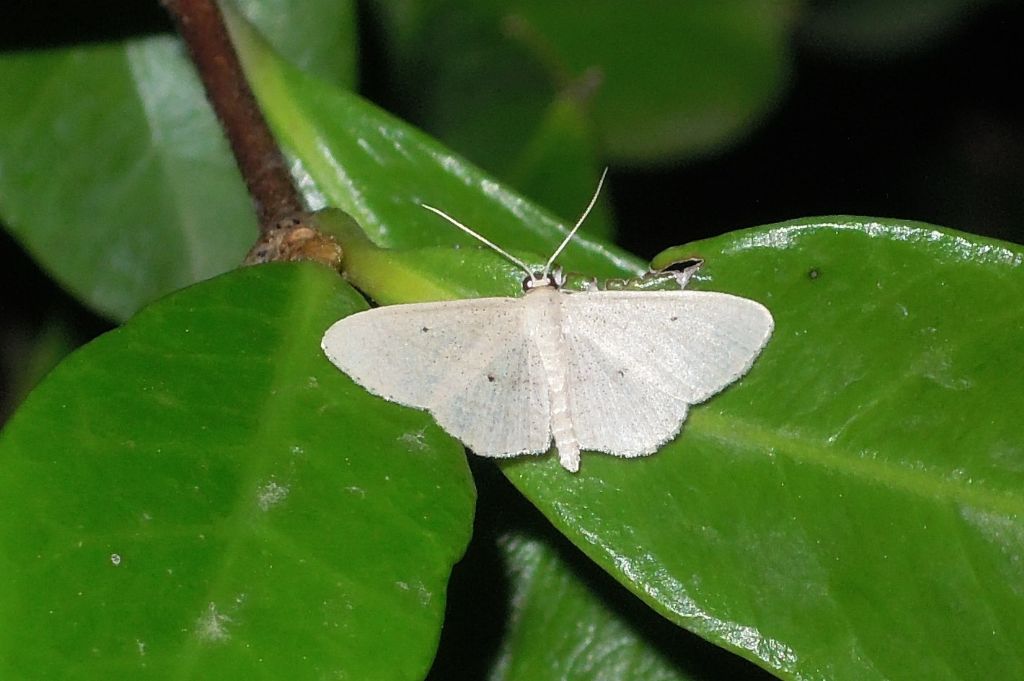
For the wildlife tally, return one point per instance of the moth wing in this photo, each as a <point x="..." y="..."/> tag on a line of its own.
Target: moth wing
<point x="638" y="359"/>
<point x="468" y="362"/>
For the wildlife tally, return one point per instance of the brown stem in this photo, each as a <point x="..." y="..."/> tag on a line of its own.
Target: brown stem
<point x="256" y="151"/>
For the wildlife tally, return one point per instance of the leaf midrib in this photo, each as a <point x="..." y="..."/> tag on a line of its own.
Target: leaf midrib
<point x="744" y="434"/>
<point x="192" y="239"/>
<point x="286" y="362"/>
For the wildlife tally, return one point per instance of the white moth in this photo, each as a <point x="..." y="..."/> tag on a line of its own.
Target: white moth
<point x="609" y="371"/>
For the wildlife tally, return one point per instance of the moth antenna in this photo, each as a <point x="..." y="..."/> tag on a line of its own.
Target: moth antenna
<point x="572" y="232"/>
<point x="469" y="231"/>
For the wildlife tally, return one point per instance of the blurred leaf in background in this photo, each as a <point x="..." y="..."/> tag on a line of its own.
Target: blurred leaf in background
<point x="670" y="82"/>
<point x="134" y="193"/>
<point x="660" y="84"/>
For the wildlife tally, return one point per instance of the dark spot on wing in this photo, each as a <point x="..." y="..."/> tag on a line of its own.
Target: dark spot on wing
<point x="673" y="319"/>
<point x="490" y="377"/>
<point x="424" y="329"/>
<point x="621" y="373"/>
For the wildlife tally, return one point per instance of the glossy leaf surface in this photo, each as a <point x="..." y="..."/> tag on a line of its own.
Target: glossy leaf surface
<point x="200" y="494"/>
<point x="529" y="605"/>
<point x="851" y="509"/>
<point x="116" y="176"/>
<point x="564" y="626"/>
<point x="560" y="631"/>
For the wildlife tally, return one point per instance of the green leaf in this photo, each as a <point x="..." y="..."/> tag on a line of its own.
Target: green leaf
<point x="671" y="81"/>
<point x="353" y="156"/>
<point x="317" y="36"/>
<point x="677" y="79"/>
<point x="563" y="628"/>
<point x="852" y="508"/>
<point x="529" y="605"/>
<point x="558" y="167"/>
<point x="116" y="176"/>
<point x="200" y="494"/>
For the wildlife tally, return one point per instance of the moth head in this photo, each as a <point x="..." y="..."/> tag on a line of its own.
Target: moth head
<point x="555" y="278"/>
<point x="550" y="275"/>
